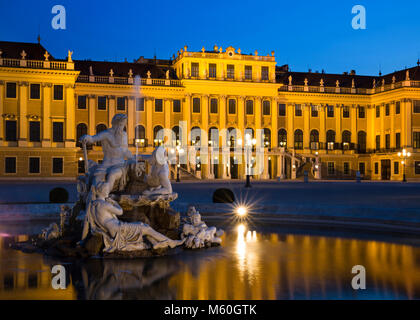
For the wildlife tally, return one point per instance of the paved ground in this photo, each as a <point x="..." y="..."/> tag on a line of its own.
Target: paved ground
<point x="369" y="200"/>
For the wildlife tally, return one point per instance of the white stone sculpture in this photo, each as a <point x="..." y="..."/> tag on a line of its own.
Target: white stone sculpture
<point x="196" y="233"/>
<point x="102" y="218"/>
<point x="158" y="179"/>
<point x="115" y="148"/>
<point x="52" y="232"/>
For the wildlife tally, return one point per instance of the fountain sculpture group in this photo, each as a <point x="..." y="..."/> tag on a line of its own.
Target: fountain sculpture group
<point x="122" y="210"/>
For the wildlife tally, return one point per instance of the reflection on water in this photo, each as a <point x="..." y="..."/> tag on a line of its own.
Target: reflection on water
<point x="251" y="264"/>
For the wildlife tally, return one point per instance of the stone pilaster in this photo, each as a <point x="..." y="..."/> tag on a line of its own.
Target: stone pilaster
<point x="46" y="114"/>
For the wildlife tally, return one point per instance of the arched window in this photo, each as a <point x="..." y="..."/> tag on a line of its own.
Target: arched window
<point x="298" y="139"/>
<point x="330" y="139"/>
<point x="232" y="135"/>
<point x="99" y="128"/>
<point x="81" y="130"/>
<point x="158" y="135"/>
<point x="267" y="138"/>
<point x="346" y="138"/>
<point x="140" y="133"/>
<point x="314" y="139"/>
<point x="195" y="136"/>
<point x="282" y="137"/>
<point x="361" y="141"/>
<point x="176" y="131"/>
<point x="213" y="137"/>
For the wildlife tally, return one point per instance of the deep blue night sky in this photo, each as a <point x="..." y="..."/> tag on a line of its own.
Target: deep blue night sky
<point x="304" y="34"/>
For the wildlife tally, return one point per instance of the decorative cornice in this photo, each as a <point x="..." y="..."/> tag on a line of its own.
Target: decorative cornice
<point x="9" y="116"/>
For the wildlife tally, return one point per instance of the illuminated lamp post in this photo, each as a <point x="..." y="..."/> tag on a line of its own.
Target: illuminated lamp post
<point x="404" y="155"/>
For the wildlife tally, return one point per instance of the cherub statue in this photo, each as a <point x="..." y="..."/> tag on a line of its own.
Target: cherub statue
<point x="115" y="148"/>
<point x="158" y="179"/>
<point x="197" y="234"/>
<point x="102" y="217"/>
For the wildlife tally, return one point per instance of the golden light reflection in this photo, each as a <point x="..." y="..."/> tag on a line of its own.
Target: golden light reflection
<point x="273" y="266"/>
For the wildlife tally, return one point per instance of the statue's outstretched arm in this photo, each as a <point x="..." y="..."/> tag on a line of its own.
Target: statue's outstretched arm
<point x="93" y="139"/>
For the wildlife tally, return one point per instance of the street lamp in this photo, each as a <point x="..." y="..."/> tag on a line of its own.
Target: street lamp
<point x="404" y="155"/>
<point x="248" y="145"/>
<point x="179" y="152"/>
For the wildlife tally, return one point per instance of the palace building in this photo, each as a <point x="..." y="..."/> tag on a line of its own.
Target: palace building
<point x="328" y="125"/>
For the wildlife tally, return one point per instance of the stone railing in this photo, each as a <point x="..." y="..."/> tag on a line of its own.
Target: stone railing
<point x="214" y="55"/>
<point x="129" y="81"/>
<point x="343" y="90"/>
<point x="36" y="64"/>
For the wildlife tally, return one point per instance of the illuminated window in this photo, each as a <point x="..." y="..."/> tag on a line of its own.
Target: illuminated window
<point x="298" y="139"/>
<point x="416" y="140"/>
<point x="314" y="111"/>
<point x="362" y="113"/>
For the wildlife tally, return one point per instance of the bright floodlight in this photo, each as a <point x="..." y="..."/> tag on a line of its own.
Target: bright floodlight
<point x="241" y="211"/>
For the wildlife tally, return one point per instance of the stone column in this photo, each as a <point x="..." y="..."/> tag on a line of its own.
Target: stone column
<point x="70" y="140"/>
<point x="322" y="129"/>
<point x="338" y="133"/>
<point x="306" y="126"/>
<point x="112" y="109"/>
<point x="23" y="110"/>
<point x="241" y="114"/>
<point x="222" y="112"/>
<point x="371" y="127"/>
<point x="274" y="125"/>
<point x="205" y="119"/>
<point x="279" y="166"/>
<point x="408" y="116"/>
<point x="382" y="108"/>
<point x="353" y="119"/>
<point x="131" y="123"/>
<point x="187" y="116"/>
<point x="265" y="175"/>
<point x="46" y="113"/>
<point x="392" y="114"/>
<point x="257" y="112"/>
<point x="149" y="120"/>
<point x="167" y="112"/>
<point x="1" y="112"/>
<point x="290" y="126"/>
<point x="92" y="113"/>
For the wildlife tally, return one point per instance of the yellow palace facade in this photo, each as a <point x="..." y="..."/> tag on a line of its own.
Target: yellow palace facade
<point x="329" y="125"/>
